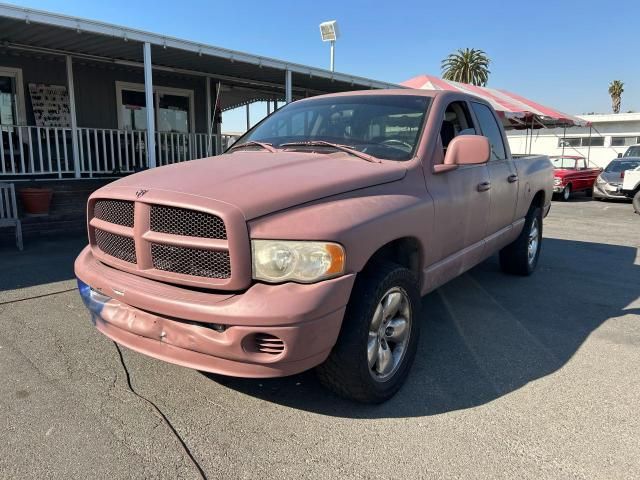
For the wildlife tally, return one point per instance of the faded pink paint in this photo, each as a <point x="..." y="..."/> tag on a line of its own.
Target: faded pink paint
<point x="300" y="196"/>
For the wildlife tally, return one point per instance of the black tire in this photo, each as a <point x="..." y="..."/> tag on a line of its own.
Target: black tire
<point x="514" y="258"/>
<point x="636" y="202"/>
<point x="565" y="195"/>
<point x="588" y="192"/>
<point x="346" y="371"/>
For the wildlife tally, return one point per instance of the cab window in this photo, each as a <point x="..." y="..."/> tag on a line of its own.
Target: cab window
<point x="457" y="121"/>
<point x="490" y="129"/>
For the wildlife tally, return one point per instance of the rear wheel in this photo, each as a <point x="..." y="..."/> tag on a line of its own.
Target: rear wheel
<point x="566" y="193"/>
<point x="521" y="256"/>
<point x="379" y="336"/>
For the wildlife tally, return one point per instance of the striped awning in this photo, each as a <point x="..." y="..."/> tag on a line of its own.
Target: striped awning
<point x="514" y="110"/>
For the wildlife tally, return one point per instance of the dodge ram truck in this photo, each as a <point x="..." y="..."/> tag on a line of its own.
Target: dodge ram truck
<point x="311" y="240"/>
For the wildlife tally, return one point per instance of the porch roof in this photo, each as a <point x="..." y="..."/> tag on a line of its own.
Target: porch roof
<point x="24" y="28"/>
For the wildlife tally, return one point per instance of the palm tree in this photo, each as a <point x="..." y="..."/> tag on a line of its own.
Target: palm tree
<point x="467" y="66"/>
<point x="616" y="89"/>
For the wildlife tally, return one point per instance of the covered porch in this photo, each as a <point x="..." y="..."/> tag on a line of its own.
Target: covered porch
<point x="82" y="99"/>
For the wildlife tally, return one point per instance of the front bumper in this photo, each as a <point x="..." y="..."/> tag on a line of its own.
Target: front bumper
<point x="178" y="325"/>
<point x="604" y="191"/>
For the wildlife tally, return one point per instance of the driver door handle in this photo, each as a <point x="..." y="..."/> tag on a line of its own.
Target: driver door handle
<point x="484" y="186"/>
<point x="512" y="178"/>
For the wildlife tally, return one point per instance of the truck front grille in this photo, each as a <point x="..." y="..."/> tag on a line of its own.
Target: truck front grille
<point x="190" y="223"/>
<point x="191" y="261"/>
<point x="170" y="244"/>
<point x="115" y="245"/>
<point x="119" y="212"/>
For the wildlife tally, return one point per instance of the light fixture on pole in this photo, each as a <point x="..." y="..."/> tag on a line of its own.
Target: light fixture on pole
<point x="329" y="33"/>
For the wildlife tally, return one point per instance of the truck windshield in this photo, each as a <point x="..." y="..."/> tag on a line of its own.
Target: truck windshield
<point x="381" y="126"/>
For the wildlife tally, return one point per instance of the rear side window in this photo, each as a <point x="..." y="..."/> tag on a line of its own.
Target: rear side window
<point x="490" y="129"/>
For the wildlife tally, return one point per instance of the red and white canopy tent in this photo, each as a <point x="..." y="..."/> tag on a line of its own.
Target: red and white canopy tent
<point x="515" y="111"/>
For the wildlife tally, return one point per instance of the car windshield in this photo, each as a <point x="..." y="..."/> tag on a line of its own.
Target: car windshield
<point x="633" y="151"/>
<point x="381" y="126"/>
<point x="617" y="166"/>
<point x="564" y="162"/>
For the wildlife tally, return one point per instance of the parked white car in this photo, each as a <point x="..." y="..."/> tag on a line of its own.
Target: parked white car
<point x="631" y="187"/>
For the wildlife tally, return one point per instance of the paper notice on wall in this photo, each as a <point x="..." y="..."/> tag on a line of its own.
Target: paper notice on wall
<point x="50" y="105"/>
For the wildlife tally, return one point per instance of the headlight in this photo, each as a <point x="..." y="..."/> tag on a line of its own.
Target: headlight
<point x="600" y="180"/>
<point x="284" y="260"/>
<point x="557" y="181"/>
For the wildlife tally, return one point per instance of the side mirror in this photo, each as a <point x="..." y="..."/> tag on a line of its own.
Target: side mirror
<point x="619" y="155"/>
<point x="465" y="150"/>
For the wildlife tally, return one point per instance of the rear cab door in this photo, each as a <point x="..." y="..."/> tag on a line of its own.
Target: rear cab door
<point x="503" y="176"/>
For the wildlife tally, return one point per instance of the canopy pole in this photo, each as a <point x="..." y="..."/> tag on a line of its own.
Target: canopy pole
<point x="589" y="147"/>
<point x="209" y="123"/>
<point x="564" y="139"/>
<point x="287" y="86"/>
<point x="248" y="118"/>
<point x="531" y="140"/>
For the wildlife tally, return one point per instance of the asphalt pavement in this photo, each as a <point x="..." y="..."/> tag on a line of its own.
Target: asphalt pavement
<point x="515" y="378"/>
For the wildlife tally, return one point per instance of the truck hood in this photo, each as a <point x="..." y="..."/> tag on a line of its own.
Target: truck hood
<point x="259" y="183"/>
<point x="563" y="172"/>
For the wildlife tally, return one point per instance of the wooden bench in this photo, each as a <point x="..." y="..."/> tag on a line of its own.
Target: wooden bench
<point x="9" y="211"/>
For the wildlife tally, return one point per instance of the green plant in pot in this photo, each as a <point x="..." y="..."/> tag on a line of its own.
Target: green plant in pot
<point x="36" y="200"/>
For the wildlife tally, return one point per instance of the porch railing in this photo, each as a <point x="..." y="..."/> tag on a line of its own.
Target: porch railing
<point x="29" y="151"/>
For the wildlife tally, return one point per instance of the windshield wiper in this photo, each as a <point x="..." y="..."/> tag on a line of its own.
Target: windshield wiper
<point x="337" y="146"/>
<point x="265" y="146"/>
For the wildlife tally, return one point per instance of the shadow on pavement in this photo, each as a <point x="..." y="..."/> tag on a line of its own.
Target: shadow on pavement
<point x="43" y="260"/>
<point x="487" y="334"/>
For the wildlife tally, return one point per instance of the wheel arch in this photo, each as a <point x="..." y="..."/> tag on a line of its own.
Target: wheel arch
<point x="405" y="251"/>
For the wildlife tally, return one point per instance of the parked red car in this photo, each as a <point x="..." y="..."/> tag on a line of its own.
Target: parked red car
<point x="571" y="174"/>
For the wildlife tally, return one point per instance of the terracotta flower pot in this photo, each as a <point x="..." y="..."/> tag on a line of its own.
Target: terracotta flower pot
<point x="36" y="201"/>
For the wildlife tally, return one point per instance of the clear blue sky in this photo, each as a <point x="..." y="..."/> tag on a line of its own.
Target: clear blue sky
<point x="562" y="53"/>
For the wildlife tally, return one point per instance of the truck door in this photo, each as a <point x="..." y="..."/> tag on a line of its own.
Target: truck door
<point x="502" y="175"/>
<point x="461" y="202"/>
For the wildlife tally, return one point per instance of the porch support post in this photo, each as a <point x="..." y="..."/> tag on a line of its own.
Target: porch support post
<point x="74" y="123"/>
<point x="218" y="119"/>
<point x="248" y="118"/>
<point x="287" y="86"/>
<point x="148" y="91"/>
<point x="209" y="113"/>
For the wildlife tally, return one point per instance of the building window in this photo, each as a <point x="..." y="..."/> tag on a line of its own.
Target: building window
<point x="569" y="142"/>
<point x="174" y="111"/>
<point x="11" y="97"/>
<point x="593" y="141"/>
<point x="624" y="141"/>
<point x="581" y="142"/>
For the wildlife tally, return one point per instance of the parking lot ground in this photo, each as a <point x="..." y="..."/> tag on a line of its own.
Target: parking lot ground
<point x="515" y="378"/>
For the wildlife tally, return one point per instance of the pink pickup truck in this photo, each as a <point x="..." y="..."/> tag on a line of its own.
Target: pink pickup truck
<point x="311" y="240"/>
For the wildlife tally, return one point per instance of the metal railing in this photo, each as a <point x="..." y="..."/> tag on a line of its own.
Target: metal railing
<point x="29" y="151"/>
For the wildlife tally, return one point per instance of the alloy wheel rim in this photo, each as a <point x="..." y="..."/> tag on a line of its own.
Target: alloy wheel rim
<point x="389" y="332"/>
<point x="534" y="241"/>
<point x="566" y="192"/>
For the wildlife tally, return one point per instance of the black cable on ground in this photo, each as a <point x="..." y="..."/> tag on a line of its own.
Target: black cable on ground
<point x="162" y="415"/>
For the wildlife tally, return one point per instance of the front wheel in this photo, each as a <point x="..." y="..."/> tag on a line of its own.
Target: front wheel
<point x="521" y="256"/>
<point x="636" y="202"/>
<point x="379" y="336"/>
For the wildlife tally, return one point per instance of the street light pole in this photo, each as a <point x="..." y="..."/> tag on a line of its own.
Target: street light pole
<point x="329" y="33"/>
<point x="333" y="57"/>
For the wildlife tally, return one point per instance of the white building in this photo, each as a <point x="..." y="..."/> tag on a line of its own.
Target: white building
<point x="608" y="136"/>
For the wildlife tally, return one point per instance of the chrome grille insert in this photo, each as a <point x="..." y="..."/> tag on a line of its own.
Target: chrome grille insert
<point x="116" y="245"/>
<point x="191" y="261"/>
<point x="119" y="212"/>
<point x="190" y="223"/>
